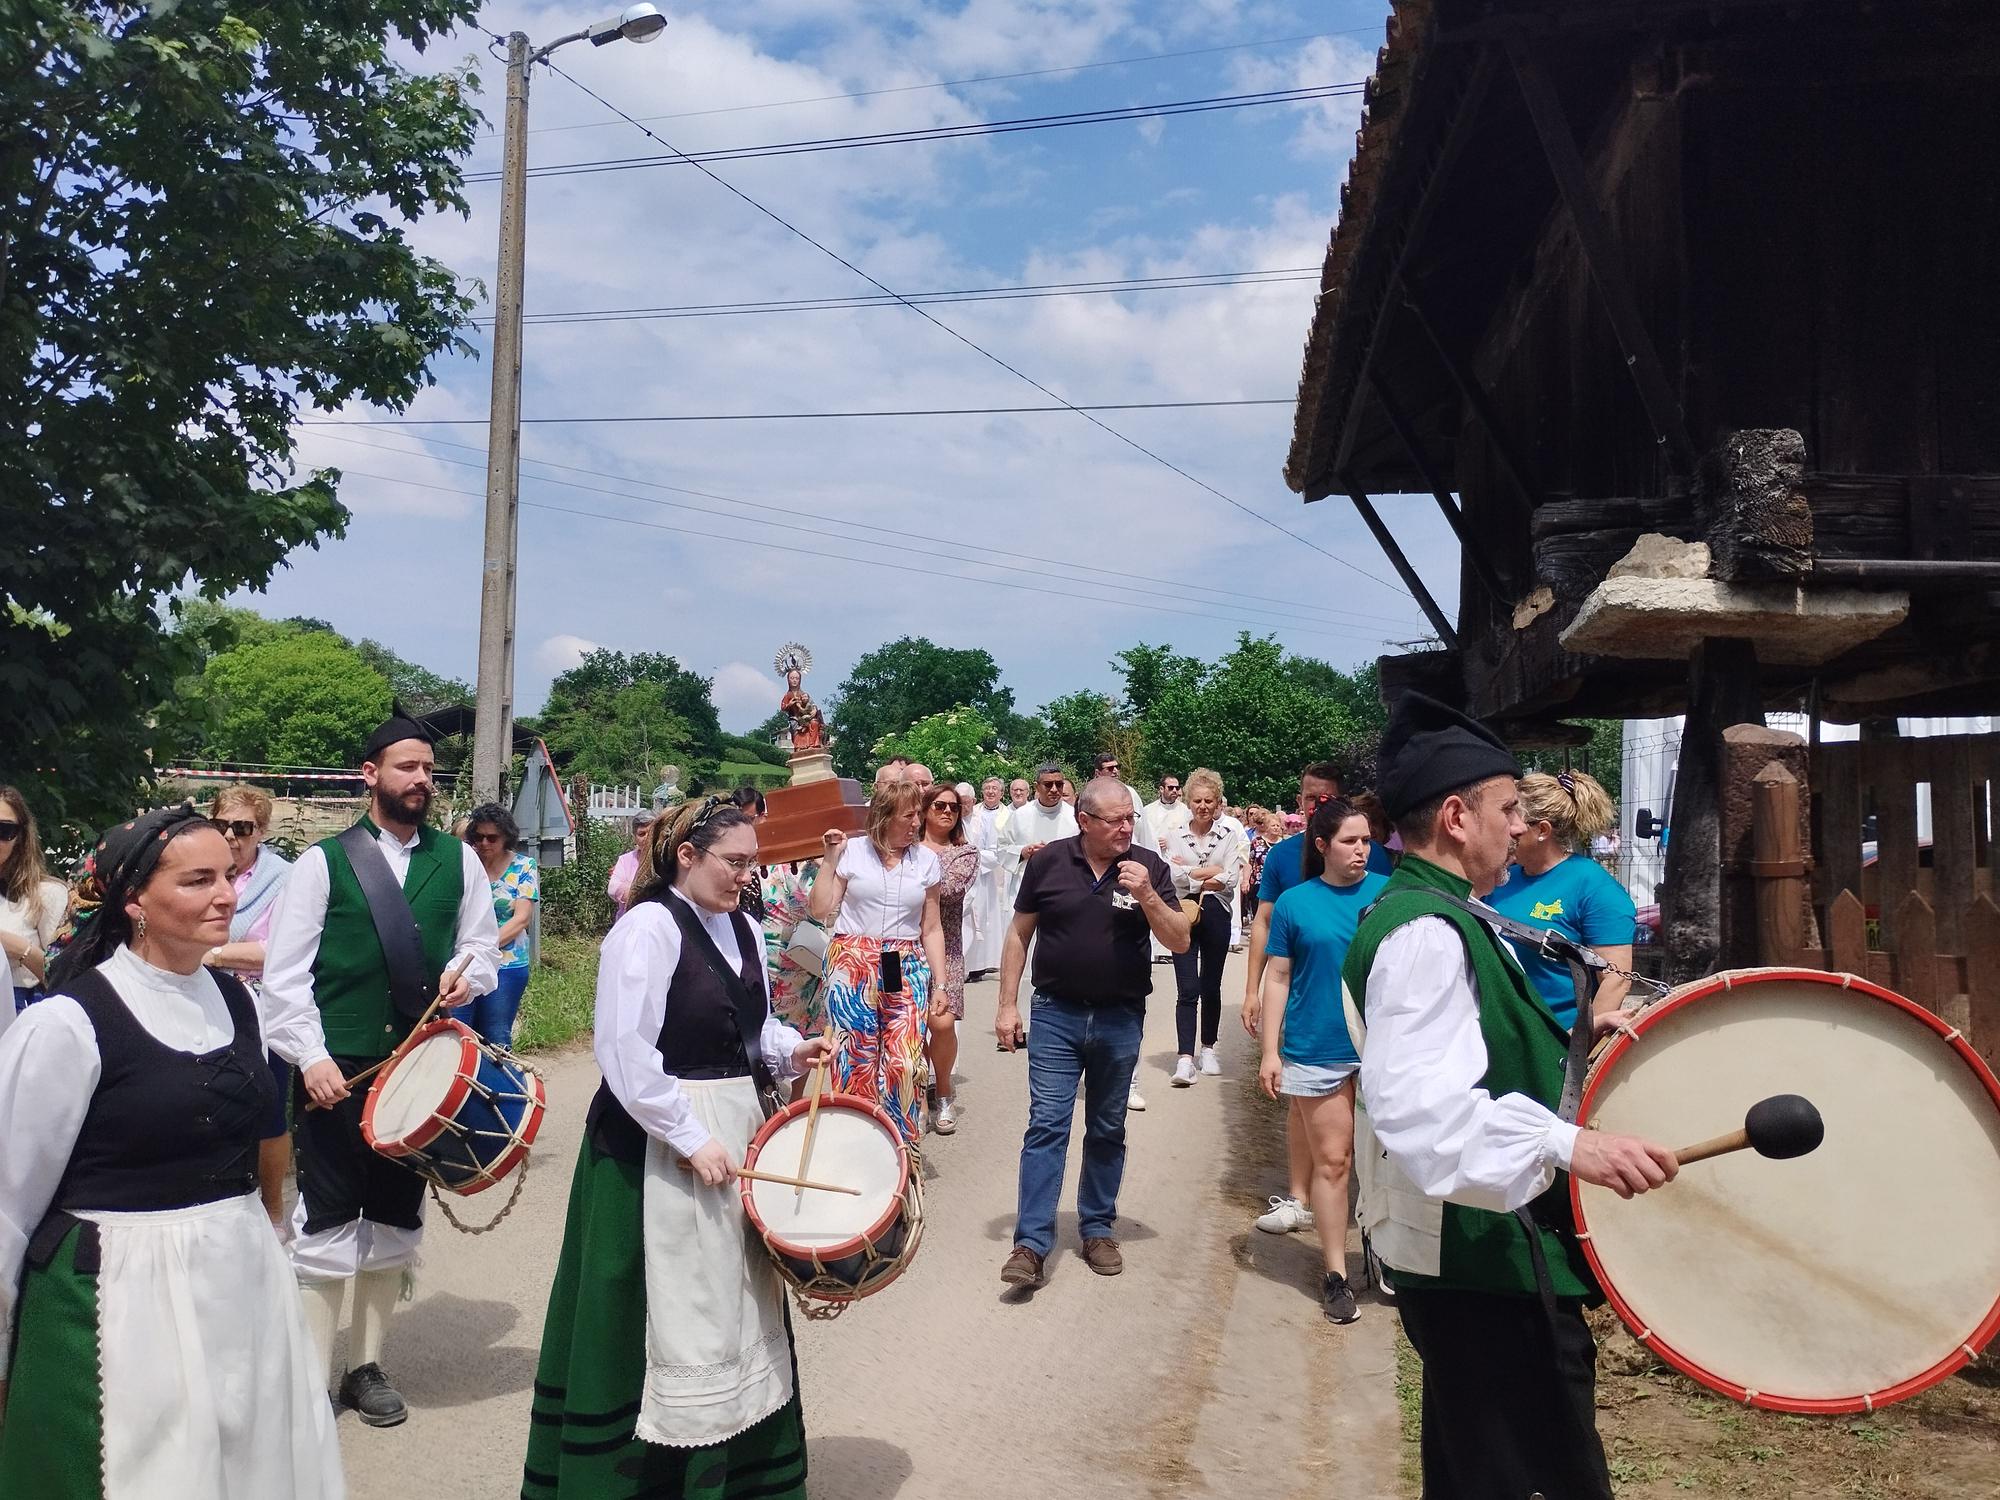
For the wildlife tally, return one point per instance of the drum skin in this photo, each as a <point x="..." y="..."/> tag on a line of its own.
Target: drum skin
<point x="1839" y="1281"/>
<point x="454" y="1109"/>
<point x="861" y="1243"/>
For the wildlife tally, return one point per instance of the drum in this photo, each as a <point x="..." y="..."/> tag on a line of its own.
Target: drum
<point x="1838" y="1281"/>
<point x="454" y="1109"/>
<point x="806" y="947"/>
<point x="836" y="1247"/>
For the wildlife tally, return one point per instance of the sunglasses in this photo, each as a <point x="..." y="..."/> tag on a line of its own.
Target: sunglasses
<point x="1051" y="786"/>
<point x="942" y="805"/>
<point x="9" y="831"/>
<point x="487" y="838"/>
<point x="241" y="828"/>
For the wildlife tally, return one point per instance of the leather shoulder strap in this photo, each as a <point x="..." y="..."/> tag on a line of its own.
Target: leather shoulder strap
<point x="410" y="985"/>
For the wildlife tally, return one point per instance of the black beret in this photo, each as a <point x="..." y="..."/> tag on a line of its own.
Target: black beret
<point x="1430" y="749"/>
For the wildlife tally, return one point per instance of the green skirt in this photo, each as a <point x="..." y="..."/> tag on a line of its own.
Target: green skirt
<point x="581" y="1435"/>
<point x="52" y="1442"/>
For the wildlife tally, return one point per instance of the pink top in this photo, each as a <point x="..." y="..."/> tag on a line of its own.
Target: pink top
<point x="260" y="930"/>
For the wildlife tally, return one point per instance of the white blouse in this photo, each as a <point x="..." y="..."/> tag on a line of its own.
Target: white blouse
<point x="634" y="971"/>
<point x="1222" y="845"/>
<point x="49" y="1068"/>
<point x="881" y="902"/>
<point x="17" y="918"/>
<point x="1421" y="1063"/>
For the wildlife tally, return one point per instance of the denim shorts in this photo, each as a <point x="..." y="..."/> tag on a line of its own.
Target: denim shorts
<point x="1309" y="1081"/>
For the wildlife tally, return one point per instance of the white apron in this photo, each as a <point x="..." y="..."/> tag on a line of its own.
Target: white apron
<point x="718" y="1360"/>
<point x="211" y="1387"/>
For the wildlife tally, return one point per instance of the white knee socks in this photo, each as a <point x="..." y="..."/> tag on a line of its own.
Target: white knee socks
<point x="322" y="1301"/>
<point x="375" y="1297"/>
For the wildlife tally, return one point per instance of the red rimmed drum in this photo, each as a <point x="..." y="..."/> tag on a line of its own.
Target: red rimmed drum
<point x="1839" y="1281"/>
<point x="454" y="1109"/>
<point x="836" y="1247"/>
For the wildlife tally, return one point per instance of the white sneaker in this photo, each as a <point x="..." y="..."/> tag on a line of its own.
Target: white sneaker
<point x="1287" y="1216"/>
<point x="945" y="1121"/>
<point x="1135" y="1099"/>
<point x="1184" y="1074"/>
<point x="1210" y="1063"/>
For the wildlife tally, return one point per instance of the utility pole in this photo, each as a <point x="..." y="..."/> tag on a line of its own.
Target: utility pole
<point x="493" y="731"/>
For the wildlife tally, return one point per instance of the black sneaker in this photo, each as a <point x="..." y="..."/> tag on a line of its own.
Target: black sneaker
<point x="1336" y="1299"/>
<point x="375" y="1401"/>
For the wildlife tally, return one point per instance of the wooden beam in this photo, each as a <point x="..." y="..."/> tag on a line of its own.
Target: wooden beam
<point x="1473" y="557"/>
<point x="1474" y="394"/>
<point x="1401" y="564"/>
<point x="1604" y="257"/>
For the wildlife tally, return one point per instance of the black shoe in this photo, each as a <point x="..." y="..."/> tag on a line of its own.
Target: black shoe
<point x="375" y="1401"/>
<point x="1336" y="1299"/>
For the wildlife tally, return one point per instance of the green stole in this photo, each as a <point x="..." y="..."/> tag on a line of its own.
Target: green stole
<point x="350" y="976"/>
<point x="1526" y="1049"/>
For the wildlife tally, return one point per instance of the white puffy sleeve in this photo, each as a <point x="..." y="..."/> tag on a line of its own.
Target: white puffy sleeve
<point x="478" y="930"/>
<point x="49" y="1068"/>
<point x="634" y="971"/>
<point x="1421" y="1064"/>
<point x="291" y="1019"/>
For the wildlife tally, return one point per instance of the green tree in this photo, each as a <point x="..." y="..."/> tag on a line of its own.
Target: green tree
<point x="417" y="688"/>
<point x="1076" y="726"/>
<point x="614" y="717"/>
<point x="909" y="679"/>
<point x="1150" y="670"/>
<point x="1254" y="721"/>
<point x="1603" y="756"/>
<point x="202" y="206"/>
<point x="958" y="745"/>
<point x="304" y="699"/>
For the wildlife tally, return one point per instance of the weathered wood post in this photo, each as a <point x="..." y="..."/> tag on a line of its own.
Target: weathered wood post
<point x="1778" y="865"/>
<point x="1723" y="692"/>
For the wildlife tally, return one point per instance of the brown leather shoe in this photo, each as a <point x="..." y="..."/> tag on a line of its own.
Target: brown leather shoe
<point x="1102" y="1256"/>
<point x="1023" y="1268"/>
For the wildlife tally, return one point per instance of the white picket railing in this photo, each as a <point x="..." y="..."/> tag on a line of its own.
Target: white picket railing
<point x="608" y="802"/>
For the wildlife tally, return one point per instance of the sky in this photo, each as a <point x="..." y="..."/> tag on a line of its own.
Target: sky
<point x="1042" y="538"/>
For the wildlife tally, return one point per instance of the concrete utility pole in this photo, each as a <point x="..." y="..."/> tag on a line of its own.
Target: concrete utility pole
<point x="493" y="733"/>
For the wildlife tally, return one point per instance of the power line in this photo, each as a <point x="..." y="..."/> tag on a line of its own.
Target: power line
<point x="953" y="83"/>
<point x="980" y="350"/>
<point x="803" y="416"/>
<point x="1231" y="597"/>
<point x="971" y="130"/>
<point x="1191" y="282"/>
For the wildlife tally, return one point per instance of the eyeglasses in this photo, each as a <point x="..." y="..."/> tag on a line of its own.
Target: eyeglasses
<point x="1109" y="768"/>
<point x="943" y="806"/>
<point x="487" y="838"/>
<point x="1050" y="786"/>
<point x="9" y="832"/>
<point x="1123" y="820"/>
<point x="240" y="828"/>
<point x="739" y="864"/>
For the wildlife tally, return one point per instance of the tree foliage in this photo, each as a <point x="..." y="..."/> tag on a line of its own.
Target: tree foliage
<point x="909" y="679"/>
<point x="1254" y="717"/>
<point x="958" y="745"/>
<point x="303" y="699"/>
<point x="1076" y="726"/>
<point x="1603" y="757"/>
<point x="619" y="718"/>
<point x="201" y="205"/>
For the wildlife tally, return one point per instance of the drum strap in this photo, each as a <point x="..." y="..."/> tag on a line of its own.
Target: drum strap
<point x="410" y="988"/>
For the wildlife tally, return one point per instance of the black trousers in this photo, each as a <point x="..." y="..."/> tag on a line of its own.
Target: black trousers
<point x="341" y="1177"/>
<point x="1198" y="974"/>
<point x="1509" y="1403"/>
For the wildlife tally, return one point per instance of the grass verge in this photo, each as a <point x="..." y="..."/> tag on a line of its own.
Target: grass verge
<point x="561" y="996"/>
<point x="1410" y="1406"/>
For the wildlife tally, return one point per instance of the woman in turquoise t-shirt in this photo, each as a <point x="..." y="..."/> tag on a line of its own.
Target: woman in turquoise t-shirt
<point x="1553" y="886"/>
<point x="491" y="831"/>
<point x="1309" y="1058"/>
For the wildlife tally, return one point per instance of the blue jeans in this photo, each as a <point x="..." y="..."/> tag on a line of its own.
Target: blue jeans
<point x="493" y="1015"/>
<point x="1098" y="1044"/>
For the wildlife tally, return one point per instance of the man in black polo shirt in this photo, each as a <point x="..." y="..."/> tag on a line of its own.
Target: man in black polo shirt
<point x="1092" y="902"/>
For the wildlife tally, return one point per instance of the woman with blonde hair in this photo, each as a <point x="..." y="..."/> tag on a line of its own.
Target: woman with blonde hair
<point x="1550" y="887"/>
<point x="1206" y="855"/>
<point x="881" y="895"/>
<point x="945" y="807"/>
<point x="32" y="904"/>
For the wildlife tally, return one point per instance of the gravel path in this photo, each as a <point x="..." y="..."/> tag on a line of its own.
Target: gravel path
<point x="1205" y="1369"/>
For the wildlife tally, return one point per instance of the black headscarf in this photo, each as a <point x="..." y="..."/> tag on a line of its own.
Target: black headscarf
<point x="1430" y="749"/>
<point x="120" y="864"/>
<point x="398" y="727"/>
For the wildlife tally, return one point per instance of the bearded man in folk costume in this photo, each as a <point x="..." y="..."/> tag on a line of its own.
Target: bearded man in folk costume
<point x="337" y="1002"/>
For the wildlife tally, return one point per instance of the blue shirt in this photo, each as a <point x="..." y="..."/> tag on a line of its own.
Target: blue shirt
<point x="1311" y="925"/>
<point x="1578" y="898"/>
<point x="1285" y="866"/>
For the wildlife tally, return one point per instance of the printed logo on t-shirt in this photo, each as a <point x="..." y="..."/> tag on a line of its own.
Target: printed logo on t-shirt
<point x="1543" y="910"/>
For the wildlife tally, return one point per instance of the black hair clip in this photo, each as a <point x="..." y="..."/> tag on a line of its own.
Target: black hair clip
<point x="1567" y="782"/>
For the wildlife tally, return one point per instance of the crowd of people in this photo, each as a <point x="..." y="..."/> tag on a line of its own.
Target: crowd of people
<point x="193" y="974"/>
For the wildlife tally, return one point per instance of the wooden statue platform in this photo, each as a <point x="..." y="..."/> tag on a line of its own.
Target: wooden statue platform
<point x="800" y="813"/>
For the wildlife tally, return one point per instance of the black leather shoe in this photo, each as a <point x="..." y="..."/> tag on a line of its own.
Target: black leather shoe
<point x="375" y="1401"/>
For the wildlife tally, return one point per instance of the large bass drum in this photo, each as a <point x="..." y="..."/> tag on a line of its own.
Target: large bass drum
<point x="1838" y="1281"/>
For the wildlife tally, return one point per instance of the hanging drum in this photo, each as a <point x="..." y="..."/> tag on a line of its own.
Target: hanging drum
<point x="1837" y="1281"/>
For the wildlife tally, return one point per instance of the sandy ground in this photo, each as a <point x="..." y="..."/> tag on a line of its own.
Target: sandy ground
<point x="1206" y="1369"/>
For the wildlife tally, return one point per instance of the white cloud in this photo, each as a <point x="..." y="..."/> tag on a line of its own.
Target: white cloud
<point x="559" y="653"/>
<point x="744" y="696"/>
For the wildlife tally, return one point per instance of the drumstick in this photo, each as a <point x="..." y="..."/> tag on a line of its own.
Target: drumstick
<point x="1780" y="1127"/>
<point x="812" y="1114"/>
<point x="423" y="1020"/>
<point x="798" y="1182"/>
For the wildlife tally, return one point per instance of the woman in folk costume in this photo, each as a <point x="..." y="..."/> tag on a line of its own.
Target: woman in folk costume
<point x="667" y="1366"/>
<point x="158" y="1350"/>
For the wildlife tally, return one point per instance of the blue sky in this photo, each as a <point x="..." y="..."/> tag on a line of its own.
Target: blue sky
<point x="1229" y="191"/>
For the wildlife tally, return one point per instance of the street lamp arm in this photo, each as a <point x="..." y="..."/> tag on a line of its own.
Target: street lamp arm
<point x="562" y="41"/>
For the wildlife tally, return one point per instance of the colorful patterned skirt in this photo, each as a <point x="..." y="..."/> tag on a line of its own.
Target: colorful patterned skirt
<point x="878" y="1038"/>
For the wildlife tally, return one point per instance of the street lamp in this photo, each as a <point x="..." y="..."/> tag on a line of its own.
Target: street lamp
<point x="493" y="731"/>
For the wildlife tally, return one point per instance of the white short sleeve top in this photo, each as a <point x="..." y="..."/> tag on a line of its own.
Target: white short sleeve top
<point x="885" y="902"/>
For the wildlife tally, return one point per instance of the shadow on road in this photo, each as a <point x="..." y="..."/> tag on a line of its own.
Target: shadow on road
<point x="844" y="1466"/>
<point x="479" y="1366"/>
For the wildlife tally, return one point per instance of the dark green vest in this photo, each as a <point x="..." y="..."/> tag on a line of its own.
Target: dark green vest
<point x="1526" y="1048"/>
<point x="350" y="976"/>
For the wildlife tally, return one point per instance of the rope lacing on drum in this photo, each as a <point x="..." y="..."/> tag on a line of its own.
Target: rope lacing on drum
<point x="485" y="1174"/>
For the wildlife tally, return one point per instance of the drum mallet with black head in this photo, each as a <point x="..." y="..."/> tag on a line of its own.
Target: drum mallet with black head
<point x="1784" y="1125"/>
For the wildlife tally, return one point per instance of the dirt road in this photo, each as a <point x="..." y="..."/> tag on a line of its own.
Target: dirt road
<point x="1206" y="1369"/>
